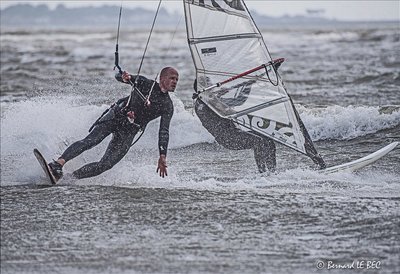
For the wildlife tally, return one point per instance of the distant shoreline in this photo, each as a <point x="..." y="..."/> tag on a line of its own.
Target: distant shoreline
<point x="27" y="15"/>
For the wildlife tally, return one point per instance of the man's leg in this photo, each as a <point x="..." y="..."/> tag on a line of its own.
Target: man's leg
<point x="260" y="159"/>
<point x="97" y="135"/>
<point x="236" y="140"/>
<point x="264" y="148"/>
<point x="265" y="154"/>
<point x="116" y="150"/>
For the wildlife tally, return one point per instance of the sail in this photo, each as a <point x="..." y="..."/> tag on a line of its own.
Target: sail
<point x="225" y="42"/>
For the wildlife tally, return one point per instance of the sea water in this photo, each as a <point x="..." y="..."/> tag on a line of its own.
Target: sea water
<point x="213" y="213"/>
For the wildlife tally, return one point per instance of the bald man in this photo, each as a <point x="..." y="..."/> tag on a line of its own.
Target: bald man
<point x="124" y="120"/>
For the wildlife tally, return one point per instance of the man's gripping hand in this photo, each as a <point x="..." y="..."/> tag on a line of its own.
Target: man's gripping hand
<point x="162" y="166"/>
<point x="126" y="77"/>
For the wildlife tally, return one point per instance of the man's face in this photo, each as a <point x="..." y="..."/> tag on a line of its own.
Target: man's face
<point x="169" y="81"/>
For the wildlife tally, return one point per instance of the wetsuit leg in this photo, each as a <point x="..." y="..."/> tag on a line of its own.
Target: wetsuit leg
<point x="97" y="135"/>
<point x="264" y="148"/>
<point x="265" y="154"/>
<point x="236" y="140"/>
<point x="116" y="150"/>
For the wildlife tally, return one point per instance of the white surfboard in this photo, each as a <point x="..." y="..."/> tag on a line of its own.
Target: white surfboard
<point x="362" y="162"/>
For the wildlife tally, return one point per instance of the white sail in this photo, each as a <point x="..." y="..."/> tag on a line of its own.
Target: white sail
<point x="224" y="42"/>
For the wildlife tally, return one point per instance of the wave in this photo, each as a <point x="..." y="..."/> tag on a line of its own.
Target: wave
<point x="52" y="123"/>
<point x="344" y="123"/>
<point x="49" y="121"/>
<point x="64" y="118"/>
<point x="291" y="181"/>
<point x="354" y="35"/>
<point x="136" y="175"/>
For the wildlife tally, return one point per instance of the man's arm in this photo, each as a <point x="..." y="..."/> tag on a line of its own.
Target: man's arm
<point x="163" y="139"/>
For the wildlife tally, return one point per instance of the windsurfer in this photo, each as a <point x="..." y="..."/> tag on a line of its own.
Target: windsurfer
<point x="227" y="134"/>
<point x="123" y="121"/>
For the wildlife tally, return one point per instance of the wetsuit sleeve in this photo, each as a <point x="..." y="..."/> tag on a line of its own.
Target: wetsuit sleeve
<point x="163" y="134"/>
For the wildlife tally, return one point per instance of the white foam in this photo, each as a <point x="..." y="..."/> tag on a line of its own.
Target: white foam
<point x="334" y="36"/>
<point x="294" y="181"/>
<point x="50" y="123"/>
<point x="81" y="53"/>
<point x="343" y="123"/>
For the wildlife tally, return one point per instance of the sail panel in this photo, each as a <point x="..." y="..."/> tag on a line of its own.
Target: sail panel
<point x="229" y="56"/>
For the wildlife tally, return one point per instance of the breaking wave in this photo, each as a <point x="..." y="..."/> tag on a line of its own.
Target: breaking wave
<point x="49" y="122"/>
<point x="344" y="123"/>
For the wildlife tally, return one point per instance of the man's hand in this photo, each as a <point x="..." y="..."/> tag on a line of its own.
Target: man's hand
<point x="162" y="166"/>
<point x="126" y="77"/>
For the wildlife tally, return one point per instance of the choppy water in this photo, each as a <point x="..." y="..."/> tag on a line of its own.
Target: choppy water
<point x="214" y="213"/>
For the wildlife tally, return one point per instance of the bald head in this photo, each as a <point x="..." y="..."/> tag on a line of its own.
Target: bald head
<point x="165" y="71"/>
<point x="168" y="79"/>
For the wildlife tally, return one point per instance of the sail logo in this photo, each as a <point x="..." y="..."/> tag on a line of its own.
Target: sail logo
<point x="209" y="51"/>
<point x="234" y="7"/>
<point x="271" y="128"/>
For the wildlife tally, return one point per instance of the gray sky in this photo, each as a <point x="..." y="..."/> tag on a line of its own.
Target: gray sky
<point x="338" y="9"/>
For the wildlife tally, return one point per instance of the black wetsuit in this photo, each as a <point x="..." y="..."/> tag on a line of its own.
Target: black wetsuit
<point x="229" y="136"/>
<point x="123" y="132"/>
